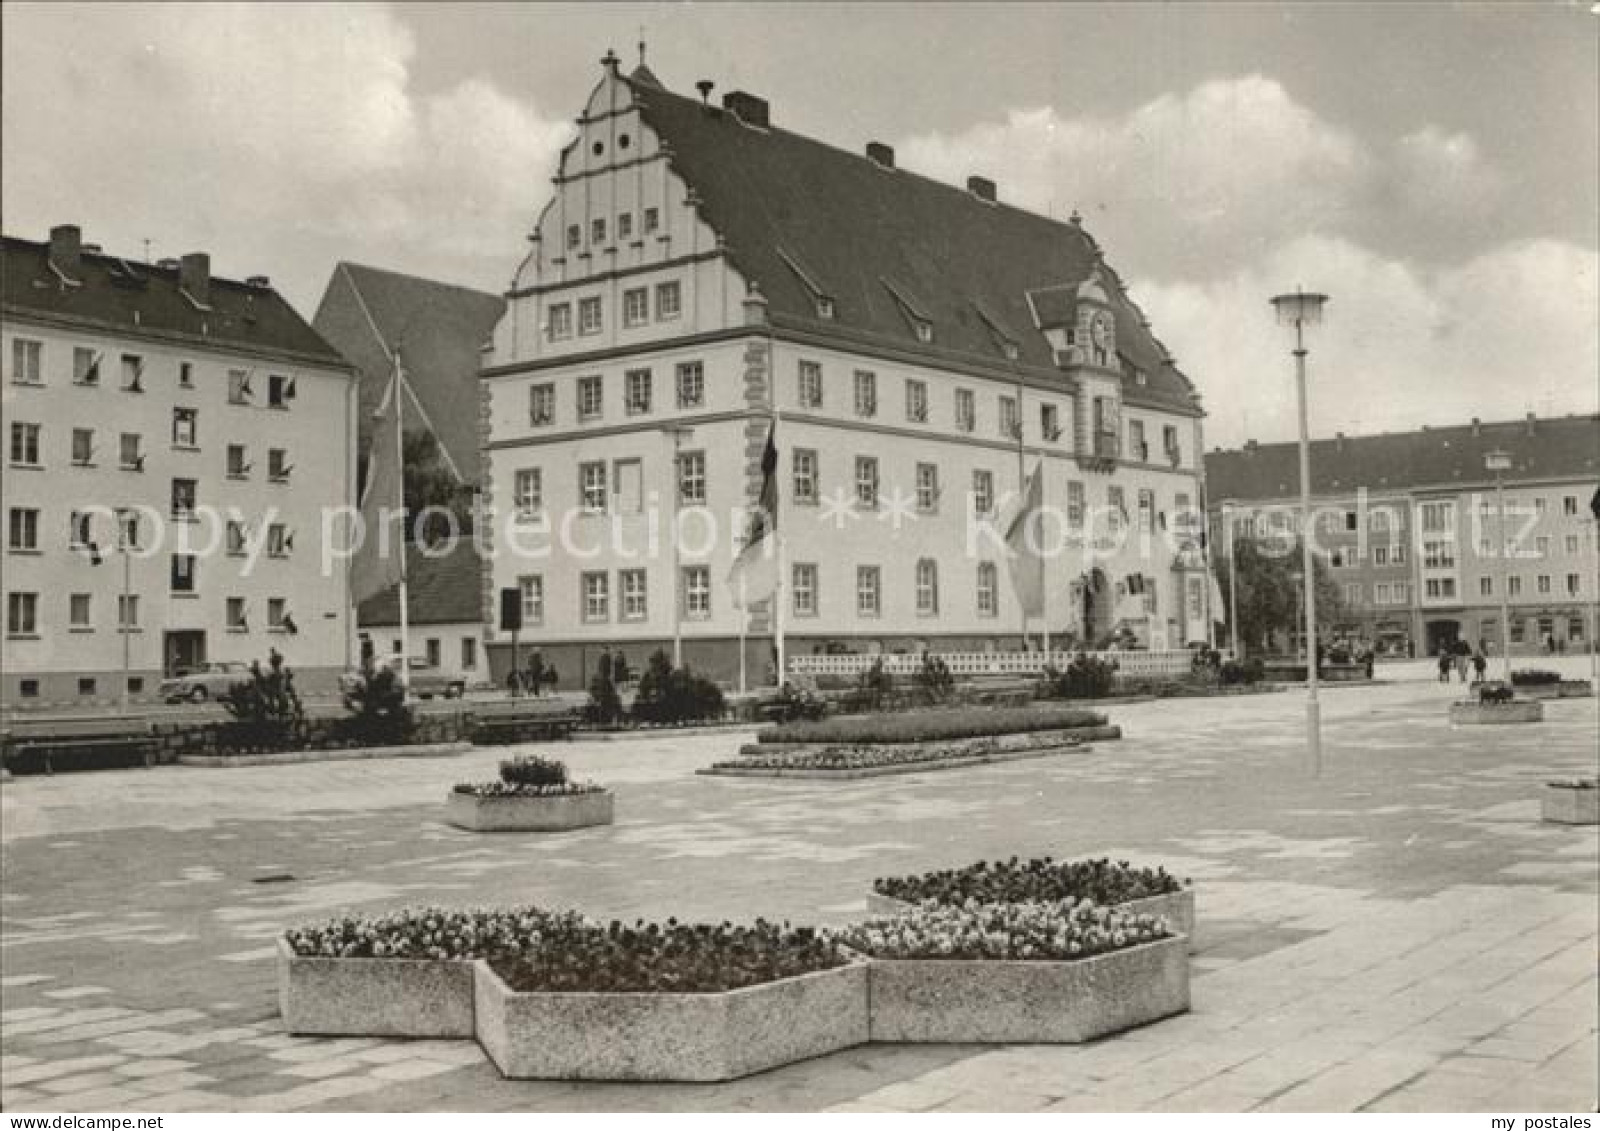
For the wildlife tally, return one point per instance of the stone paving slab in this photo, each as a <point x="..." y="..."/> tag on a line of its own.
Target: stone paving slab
<point x="1399" y="934"/>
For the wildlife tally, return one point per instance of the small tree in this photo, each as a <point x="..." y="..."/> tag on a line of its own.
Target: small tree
<point x="378" y="705"/>
<point x="675" y="695"/>
<point x="1085" y="677"/>
<point x="933" y="682"/>
<point x="874" y="689"/>
<point x="266" y="709"/>
<point x="605" y="705"/>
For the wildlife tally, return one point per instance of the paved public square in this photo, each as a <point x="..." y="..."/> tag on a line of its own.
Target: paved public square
<point x="1400" y="933"/>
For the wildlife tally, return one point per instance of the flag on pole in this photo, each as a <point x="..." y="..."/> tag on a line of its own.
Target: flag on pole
<point x="754" y="575"/>
<point x="1219" y="610"/>
<point x="372" y="570"/>
<point x="1025" y="540"/>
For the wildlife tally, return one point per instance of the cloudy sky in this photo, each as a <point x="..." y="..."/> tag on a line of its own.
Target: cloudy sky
<point x="1433" y="167"/>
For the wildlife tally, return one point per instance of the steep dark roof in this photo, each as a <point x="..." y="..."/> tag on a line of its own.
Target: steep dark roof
<point x="1566" y="447"/>
<point x="442" y="590"/>
<point x="439" y="329"/>
<point x="113" y="292"/>
<point x="796" y="211"/>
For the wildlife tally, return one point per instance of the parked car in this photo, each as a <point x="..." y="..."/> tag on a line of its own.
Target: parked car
<point x="208" y="681"/>
<point x="425" y="680"/>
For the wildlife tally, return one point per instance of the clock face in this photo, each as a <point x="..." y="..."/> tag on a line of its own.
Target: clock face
<point x="1100" y="329"/>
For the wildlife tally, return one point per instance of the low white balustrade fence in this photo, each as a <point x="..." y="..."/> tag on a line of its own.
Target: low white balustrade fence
<point x="1129" y="664"/>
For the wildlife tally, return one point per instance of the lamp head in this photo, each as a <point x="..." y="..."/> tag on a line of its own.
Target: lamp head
<point x="1299" y="308"/>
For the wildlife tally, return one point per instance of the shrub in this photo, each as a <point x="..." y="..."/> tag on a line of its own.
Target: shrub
<point x="1491" y="694"/>
<point x="675" y="695"/>
<point x="531" y="770"/>
<point x="529" y="776"/>
<point x="1085" y="677"/>
<point x="933" y="682"/>
<point x="930" y="726"/>
<point x="1250" y="671"/>
<point x="1004" y="931"/>
<point x="667" y="958"/>
<point x="1534" y="677"/>
<point x="874" y="689"/>
<point x="377" y="701"/>
<point x="1043" y="880"/>
<point x="604" y="707"/>
<point x="266" y="709"/>
<point x="796" y="703"/>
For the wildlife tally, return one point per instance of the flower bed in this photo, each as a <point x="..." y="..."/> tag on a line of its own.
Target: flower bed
<point x="1492" y="714"/>
<point x="849" y="762"/>
<point x="679" y="1002"/>
<point x="1558" y="689"/>
<point x="1018" y="973"/>
<point x="404" y="974"/>
<point x="932" y="726"/>
<point x="1116" y="884"/>
<point x="532" y="795"/>
<point x="1572" y="802"/>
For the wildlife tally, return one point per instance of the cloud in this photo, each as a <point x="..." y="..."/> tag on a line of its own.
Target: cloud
<point x="1444" y="177"/>
<point x="1506" y="332"/>
<point x="279" y="137"/>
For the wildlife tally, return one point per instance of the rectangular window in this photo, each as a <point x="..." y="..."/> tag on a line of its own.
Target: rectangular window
<point x="652" y="219"/>
<point x="1401" y="591"/>
<point x="1438" y="518"/>
<point x="1380" y="555"/>
<point x="591" y="393"/>
<point x="1380" y="593"/>
<point x="183" y="498"/>
<point x="130" y="528"/>
<point x="532" y="586"/>
<point x="636" y="391"/>
<point x="432" y="652"/>
<point x="1569" y="505"/>
<point x="238" y="465"/>
<point x="1117" y="504"/>
<point x="22" y="529"/>
<point x="560" y="320"/>
<point x="183" y="573"/>
<point x="1514" y="586"/>
<point x="589" y="321"/>
<point x="692" y="479"/>
<point x="627" y="486"/>
<point x="1541" y="546"/>
<point x="867" y="481"/>
<point x="1010" y="424"/>
<point x="697" y="592"/>
<point x="805" y="475"/>
<point x="127" y="612"/>
<point x="541" y="405"/>
<point x="809" y="391"/>
<point x="1438" y="555"/>
<point x="927" y="583"/>
<point x="185" y="374"/>
<point x="596" y="597"/>
<point x="1352" y="594"/>
<point x="574" y="236"/>
<point x="280" y="390"/>
<point x="669" y="300"/>
<point x="691" y="384"/>
<point x="1538" y="507"/>
<point x="278" y="465"/>
<point x="24" y="444"/>
<point x="185" y="425"/>
<point x="868" y="591"/>
<point x="917" y="401"/>
<point x="1542" y="583"/>
<point x="1075" y="505"/>
<point x="966" y="410"/>
<point x="1397" y="555"/>
<point x="1147" y="511"/>
<point x="982" y="491"/>
<point x="235" y="538"/>
<point x="1350" y="521"/>
<point x="469" y="653"/>
<point x="866" y="391"/>
<point x="279" y="541"/>
<point x="592" y="483"/>
<point x="277" y="611"/>
<point x="78" y="617"/>
<point x="83" y="447"/>
<point x="624" y="225"/>
<point x="1169" y="444"/>
<point x="804" y="587"/>
<point x="239" y="391"/>
<point x="79" y="534"/>
<point x="1138" y="447"/>
<point x="987" y="589"/>
<point x="1573" y="584"/>
<point x="1486" y="587"/>
<point x="636" y="306"/>
<point x="85" y="366"/>
<point x="1049" y="423"/>
<point x="22" y="614"/>
<point x="235" y="613"/>
<point x="597" y="230"/>
<point x="133" y="373"/>
<point x="528" y="491"/>
<point x="27" y="361"/>
<point x="1571" y="543"/>
<point x="635" y="599"/>
<point x="927" y="487"/>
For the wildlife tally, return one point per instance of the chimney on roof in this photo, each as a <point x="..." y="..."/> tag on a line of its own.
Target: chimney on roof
<point x="194" y="276"/>
<point x="982" y="188"/>
<point x="1532" y="420"/>
<point x="1338" y="441"/>
<point x="258" y="282"/>
<point x="66" y="248"/>
<point x="167" y="264"/>
<point x="90" y="249"/>
<point x="752" y="111"/>
<point x="1477" y="426"/>
<point x="881" y="153"/>
<point x="1251" y="445"/>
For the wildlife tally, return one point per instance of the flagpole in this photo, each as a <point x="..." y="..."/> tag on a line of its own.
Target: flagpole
<point x="400" y="501"/>
<point x="744" y="623"/>
<point x="777" y="588"/>
<point x="1233" y="587"/>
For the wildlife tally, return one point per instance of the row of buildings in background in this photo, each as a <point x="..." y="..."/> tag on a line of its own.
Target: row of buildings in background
<point x="700" y="283"/>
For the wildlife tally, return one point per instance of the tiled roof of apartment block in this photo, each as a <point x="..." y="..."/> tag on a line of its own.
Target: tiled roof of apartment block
<point x="1550" y="448"/>
<point x="887" y="247"/>
<point x="441" y="590"/>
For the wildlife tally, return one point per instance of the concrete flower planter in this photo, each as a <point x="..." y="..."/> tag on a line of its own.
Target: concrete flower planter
<point x="529" y="814"/>
<point x="1570" y="805"/>
<point x="1494" y="714"/>
<point x="374" y="997"/>
<point x="1566" y="689"/>
<point x="1176" y="907"/>
<point x="684" y="1037"/>
<point x="1027" y="1002"/>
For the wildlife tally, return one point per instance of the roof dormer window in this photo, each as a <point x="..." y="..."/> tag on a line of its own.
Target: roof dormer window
<point x="826" y="308"/>
<point x="921" y="324"/>
<point x="924" y="330"/>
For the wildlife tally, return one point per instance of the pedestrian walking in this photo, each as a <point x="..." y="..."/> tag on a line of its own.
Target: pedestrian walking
<point x="1444" y="664"/>
<point x="1480" y="665"/>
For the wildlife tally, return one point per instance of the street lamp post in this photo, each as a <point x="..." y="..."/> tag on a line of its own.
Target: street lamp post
<point x="679" y="434"/>
<point x="1301" y="310"/>
<point x="1499" y="462"/>
<point x="1233" y="586"/>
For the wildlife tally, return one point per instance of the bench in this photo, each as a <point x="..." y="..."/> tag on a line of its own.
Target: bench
<point x="42" y="744"/>
<point x="502" y="728"/>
